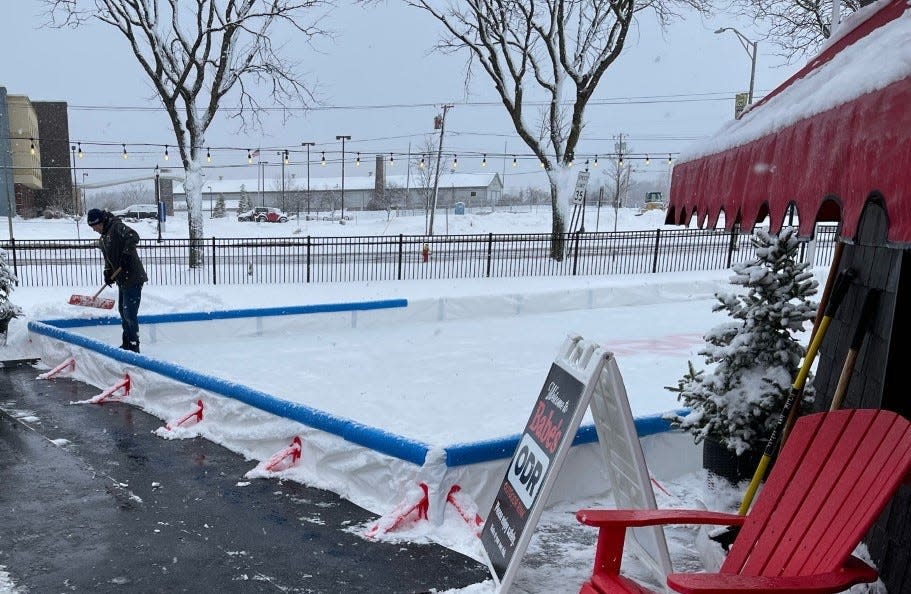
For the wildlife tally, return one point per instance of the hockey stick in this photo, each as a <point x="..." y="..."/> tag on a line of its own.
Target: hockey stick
<point x="796" y="394"/>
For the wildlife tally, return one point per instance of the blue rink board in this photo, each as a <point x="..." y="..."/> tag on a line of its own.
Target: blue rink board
<point x="373" y="438"/>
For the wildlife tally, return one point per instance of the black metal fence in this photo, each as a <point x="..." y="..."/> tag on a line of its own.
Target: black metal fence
<point x="402" y="257"/>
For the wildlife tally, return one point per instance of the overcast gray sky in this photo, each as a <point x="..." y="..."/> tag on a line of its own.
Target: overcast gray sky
<point x="381" y="57"/>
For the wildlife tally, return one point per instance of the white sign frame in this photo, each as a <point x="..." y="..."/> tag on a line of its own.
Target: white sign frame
<point x="604" y="391"/>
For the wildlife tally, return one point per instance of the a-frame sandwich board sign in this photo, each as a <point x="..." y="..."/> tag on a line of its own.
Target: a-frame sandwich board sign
<point x="582" y="370"/>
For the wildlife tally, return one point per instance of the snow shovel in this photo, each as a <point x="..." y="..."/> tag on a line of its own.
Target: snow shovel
<point x="864" y="323"/>
<point x="95" y="300"/>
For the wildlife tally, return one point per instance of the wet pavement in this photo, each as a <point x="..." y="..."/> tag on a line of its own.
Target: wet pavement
<point x="92" y="501"/>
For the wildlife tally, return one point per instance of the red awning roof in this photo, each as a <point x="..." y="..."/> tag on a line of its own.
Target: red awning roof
<point x="827" y="139"/>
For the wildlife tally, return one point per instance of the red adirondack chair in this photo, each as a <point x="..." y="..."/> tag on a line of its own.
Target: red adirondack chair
<point x="834" y="475"/>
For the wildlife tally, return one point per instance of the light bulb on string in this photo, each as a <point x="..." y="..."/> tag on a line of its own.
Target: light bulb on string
<point x="484" y="161"/>
<point x="648" y="160"/>
<point x="208" y="156"/>
<point x="357" y="162"/>
<point x="421" y="165"/>
<point x="285" y="157"/>
<point x="249" y="157"/>
<point x="670" y="159"/>
<point x="515" y="163"/>
<point x="620" y="160"/>
<point x="32" y="149"/>
<point x="323" y="159"/>
<point x="125" y="155"/>
<point x="79" y="152"/>
<point x="542" y="164"/>
<point x="166" y="157"/>
<point x="391" y="160"/>
<point x="455" y="162"/>
<point x="596" y="161"/>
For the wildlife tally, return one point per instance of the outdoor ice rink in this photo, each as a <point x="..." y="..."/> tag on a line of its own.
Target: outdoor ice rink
<point x="471" y="376"/>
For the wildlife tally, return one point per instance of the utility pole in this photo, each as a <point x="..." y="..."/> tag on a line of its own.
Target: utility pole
<point x="438" y="122"/>
<point x="408" y="175"/>
<point x="343" y="139"/>
<point x="261" y="181"/>
<point x="620" y="147"/>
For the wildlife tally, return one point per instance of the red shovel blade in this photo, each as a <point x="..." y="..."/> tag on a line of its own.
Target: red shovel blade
<point x="89" y="301"/>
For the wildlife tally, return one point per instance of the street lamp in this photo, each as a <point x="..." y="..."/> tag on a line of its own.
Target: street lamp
<point x="343" y="139"/>
<point x="75" y="185"/>
<point x="308" y="145"/>
<point x="284" y="156"/>
<point x="211" y="209"/>
<point x="750" y="47"/>
<point x="158" y="199"/>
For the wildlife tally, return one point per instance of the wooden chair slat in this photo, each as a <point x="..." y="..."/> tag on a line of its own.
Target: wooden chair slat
<point x="770" y="496"/>
<point x="861" y="505"/>
<point x="836" y="473"/>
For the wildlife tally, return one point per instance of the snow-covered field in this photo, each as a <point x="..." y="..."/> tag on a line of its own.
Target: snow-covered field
<point x="530" y="219"/>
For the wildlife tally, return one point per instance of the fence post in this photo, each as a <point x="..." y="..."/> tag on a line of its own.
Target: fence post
<point x="12" y="248"/>
<point x="732" y="245"/>
<point x="214" y="267"/>
<point x="576" y="253"/>
<point x="401" y="238"/>
<point x="657" y="247"/>
<point x="489" y="251"/>
<point x="308" y="258"/>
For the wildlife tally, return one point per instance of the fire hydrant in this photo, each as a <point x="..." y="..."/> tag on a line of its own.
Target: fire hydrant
<point x="425" y="253"/>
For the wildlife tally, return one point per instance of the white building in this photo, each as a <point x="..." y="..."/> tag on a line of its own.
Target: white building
<point x="362" y="192"/>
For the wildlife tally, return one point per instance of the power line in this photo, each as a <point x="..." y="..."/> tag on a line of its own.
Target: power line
<point x="634" y="100"/>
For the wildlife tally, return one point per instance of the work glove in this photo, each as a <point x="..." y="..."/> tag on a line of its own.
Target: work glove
<point x="108" y="278"/>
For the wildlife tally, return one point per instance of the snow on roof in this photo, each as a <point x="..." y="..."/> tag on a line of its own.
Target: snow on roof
<point x="869" y="64"/>
<point x="352" y="182"/>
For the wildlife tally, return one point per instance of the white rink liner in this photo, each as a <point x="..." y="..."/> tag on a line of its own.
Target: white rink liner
<point x="430" y="347"/>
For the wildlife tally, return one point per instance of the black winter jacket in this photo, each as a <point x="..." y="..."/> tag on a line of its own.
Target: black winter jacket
<point x="118" y="244"/>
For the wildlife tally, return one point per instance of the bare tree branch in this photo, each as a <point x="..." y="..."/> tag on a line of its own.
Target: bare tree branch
<point x="556" y="48"/>
<point x="795" y="28"/>
<point x="196" y="54"/>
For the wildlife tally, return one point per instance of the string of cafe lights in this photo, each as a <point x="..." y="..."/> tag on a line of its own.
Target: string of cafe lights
<point x="589" y="159"/>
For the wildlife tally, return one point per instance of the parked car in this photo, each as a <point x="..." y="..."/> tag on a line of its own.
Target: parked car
<point x="135" y="212"/>
<point x="264" y="214"/>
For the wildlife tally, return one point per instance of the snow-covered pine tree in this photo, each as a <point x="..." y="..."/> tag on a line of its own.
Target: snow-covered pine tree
<point x="219" y="212"/>
<point x="756" y="355"/>
<point x="8" y="311"/>
<point x="243" y="205"/>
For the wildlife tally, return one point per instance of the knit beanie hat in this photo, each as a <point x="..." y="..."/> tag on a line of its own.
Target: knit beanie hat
<point x="95" y="216"/>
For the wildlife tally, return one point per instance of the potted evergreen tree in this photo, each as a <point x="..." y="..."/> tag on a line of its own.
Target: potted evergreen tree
<point x="734" y="405"/>
<point x="8" y="311"/>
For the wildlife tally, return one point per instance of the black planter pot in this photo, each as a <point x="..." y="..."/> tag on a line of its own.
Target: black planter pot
<point x="718" y="459"/>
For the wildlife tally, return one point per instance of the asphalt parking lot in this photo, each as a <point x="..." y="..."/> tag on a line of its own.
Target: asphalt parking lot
<point x="92" y="501"/>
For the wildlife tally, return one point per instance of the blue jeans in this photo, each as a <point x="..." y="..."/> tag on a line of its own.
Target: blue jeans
<point x="128" y="303"/>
